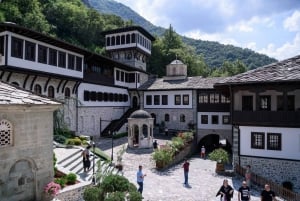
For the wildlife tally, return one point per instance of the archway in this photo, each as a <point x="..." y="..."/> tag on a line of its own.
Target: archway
<point x="213" y="141"/>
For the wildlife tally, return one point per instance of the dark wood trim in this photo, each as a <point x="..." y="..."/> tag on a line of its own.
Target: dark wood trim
<point x="63" y="88"/>
<point x="281" y="159"/>
<point x="32" y="82"/>
<point x="25" y="81"/>
<point x="57" y="90"/>
<point x="46" y="84"/>
<point x="8" y="77"/>
<point x="75" y="88"/>
<point x="2" y="73"/>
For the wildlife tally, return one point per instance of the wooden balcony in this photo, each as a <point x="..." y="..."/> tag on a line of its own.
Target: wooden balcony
<point x="267" y="118"/>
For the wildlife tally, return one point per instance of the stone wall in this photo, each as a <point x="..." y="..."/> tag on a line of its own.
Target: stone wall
<point x="275" y="169"/>
<point x="73" y="193"/>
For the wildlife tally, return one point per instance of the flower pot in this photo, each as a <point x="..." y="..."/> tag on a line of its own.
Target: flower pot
<point x="220" y="167"/>
<point x="159" y="164"/>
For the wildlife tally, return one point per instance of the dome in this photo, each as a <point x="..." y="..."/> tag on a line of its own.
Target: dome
<point x="140" y="114"/>
<point x="176" y="62"/>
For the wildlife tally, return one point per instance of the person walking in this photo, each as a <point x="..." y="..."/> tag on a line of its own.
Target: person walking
<point x="186" y="167"/>
<point x="202" y="152"/>
<point x="140" y="179"/>
<point x="267" y="194"/>
<point x="155" y="144"/>
<point x="226" y="191"/>
<point x="248" y="175"/>
<point x="244" y="192"/>
<point x="86" y="158"/>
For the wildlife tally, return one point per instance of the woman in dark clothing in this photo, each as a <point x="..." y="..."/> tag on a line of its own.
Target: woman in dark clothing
<point x="86" y="158"/>
<point x="226" y="191"/>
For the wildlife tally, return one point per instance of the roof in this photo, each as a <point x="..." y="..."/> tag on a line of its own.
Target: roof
<point x="176" y="62"/>
<point x="197" y="82"/>
<point x="140" y="114"/>
<point x="284" y="71"/>
<point x="13" y="95"/>
<point x="131" y="28"/>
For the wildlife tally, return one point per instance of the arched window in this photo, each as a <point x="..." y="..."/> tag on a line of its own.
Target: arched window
<point x="133" y="38"/>
<point x="67" y="92"/>
<point x="108" y="41"/>
<point x="167" y="117"/>
<point x="15" y="83"/>
<point x="38" y="89"/>
<point x="51" y="91"/>
<point x="123" y="39"/>
<point x="182" y="118"/>
<point x="127" y="38"/>
<point x="6" y="133"/>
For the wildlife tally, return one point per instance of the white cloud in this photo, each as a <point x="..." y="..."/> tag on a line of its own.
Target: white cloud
<point x="285" y="51"/>
<point x="292" y="23"/>
<point x="248" y="26"/>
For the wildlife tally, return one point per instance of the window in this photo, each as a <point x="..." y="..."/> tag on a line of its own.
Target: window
<point x="203" y="98"/>
<point x="6" y="133"/>
<point x="116" y="97"/>
<point x="108" y="41"/>
<point x="204" y="119"/>
<point x="167" y="117"/>
<point x="133" y="38"/>
<point x="185" y="100"/>
<point x="105" y="96"/>
<point x="290" y="103"/>
<point x="274" y="141"/>
<point x="2" y="45"/>
<point x="225" y="99"/>
<point x="127" y="38"/>
<point x="93" y="96"/>
<point x="86" y="95"/>
<point x="182" y="118"/>
<point x="52" y="57"/>
<point x="62" y="59"/>
<point x="226" y="119"/>
<point x="118" y="40"/>
<point x="113" y="40"/>
<point x="156" y="99"/>
<point x="214" y="98"/>
<point x="51" y="91"/>
<point x="100" y="96"/>
<point x="247" y="103"/>
<point x="148" y="100"/>
<point x="177" y="100"/>
<point x="215" y="119"/>
<point x="67" y="92"/>
<point x="29" y="51"/>
<point x="111" y="97"/>
<point x="123" y="39"/>
<point x="265" y="103"/>
<point x="42" y="54"/>
<point x="71" y="61"/>
<point x="37" y="89"/>
<point x="122" y="76"/>
<point x="117" y="75"/>
<point x="17" y="48"/>
<point x="79" y="64"/>
<point x="257" y="140"/>
<point x="164" y="99"/>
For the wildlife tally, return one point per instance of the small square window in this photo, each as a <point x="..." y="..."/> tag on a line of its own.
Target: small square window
<point x="177" y="100"/>
<point x="164" y="99"/>
<point x="185" y="99"/>
<point x="204" y="119"/>
<point x="148" y="100"/>
<point x="156" y="99"/>
<point x="226" y="119"/>
<point x="257" y="140"/>
<point x="274" y="141"/>
<point x="215" y="119"/>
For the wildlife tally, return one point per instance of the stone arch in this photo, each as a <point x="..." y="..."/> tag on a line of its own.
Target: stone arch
<point x="21" y="183"/>
<point x="213" y="141"/>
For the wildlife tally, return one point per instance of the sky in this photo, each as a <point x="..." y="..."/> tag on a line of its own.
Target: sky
<point x="270" y="27"/>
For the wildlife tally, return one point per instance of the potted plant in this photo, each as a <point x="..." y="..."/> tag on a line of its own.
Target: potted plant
<point x="221" y="157"/>
<point x="162" y="157"/>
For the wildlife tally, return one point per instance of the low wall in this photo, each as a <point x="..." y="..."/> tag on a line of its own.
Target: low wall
<point x="73" y="193"/>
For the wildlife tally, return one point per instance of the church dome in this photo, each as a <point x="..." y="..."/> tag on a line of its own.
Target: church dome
<point x="140" y="114"/>
<point x="176" y="61"/>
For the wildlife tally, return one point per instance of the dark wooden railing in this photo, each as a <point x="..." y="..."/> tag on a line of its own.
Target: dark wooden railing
<point x="280" y="191"/>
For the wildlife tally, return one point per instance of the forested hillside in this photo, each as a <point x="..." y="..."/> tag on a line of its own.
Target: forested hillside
<point x="214" y="53"/>
<point x="80" y="24"/>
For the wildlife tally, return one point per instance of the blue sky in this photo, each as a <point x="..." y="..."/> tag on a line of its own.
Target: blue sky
<point x="271" y="27"/>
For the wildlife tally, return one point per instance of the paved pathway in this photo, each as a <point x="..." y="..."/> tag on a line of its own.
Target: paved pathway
<point x="168" y="185"/>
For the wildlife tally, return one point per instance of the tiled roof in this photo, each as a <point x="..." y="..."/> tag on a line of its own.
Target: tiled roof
<point x="12" y="95"/>
<point x="188" y="83"/>
<point x="284" y="71"/>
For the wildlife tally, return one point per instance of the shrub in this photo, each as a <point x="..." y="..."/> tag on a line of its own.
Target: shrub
<point x="64" y="132"/>
<point x="113" y="183"/>
<point x="115" y="196"/>
<point x="71" y="178"/>
<point x="219" y="155"/>
<point x="61" y="181"/>
<point x="52" y="188"/>
<point x="92" y="194"/>
<point x="82" y="137"/>
<point x="163" y="156"/>
<point x="60" y="139"/>
<point x="75" y="141"/>
<point x="134" y="196"/>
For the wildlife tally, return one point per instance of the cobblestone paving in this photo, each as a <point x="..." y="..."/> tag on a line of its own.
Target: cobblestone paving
<point x="168" y="185"/>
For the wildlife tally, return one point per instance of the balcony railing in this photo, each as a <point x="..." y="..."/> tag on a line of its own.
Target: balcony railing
<point x="271" y="118"/>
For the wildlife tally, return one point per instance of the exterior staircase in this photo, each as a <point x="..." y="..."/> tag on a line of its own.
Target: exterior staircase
<point x="116" y="124"/>
<point x="69" y="160"/>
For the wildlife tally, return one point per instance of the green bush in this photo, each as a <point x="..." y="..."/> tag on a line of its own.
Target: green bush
<point x="115" y="196"/>
<point x="134" y="196"/>
<point x="113" y="183"/>
<point x="74" y="141"/>
<point x="219" y="155"/>
<point x="64" y="132"/>
<point x="60" y="139"/>
<point x="71" y="178"/>
<point x="92" y="194"/>
<point x="61" y="181"/>
<point x="82" y="137"/>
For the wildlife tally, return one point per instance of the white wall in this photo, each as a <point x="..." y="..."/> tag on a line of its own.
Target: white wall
<point x="210" y="125"/>
<point x="290" y="142"/>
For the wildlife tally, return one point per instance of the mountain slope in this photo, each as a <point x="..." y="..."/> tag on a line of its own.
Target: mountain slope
<point x="214" y="53"/>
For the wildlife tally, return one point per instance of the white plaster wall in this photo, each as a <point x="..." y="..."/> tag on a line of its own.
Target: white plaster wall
<point x="290" y="142"/>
